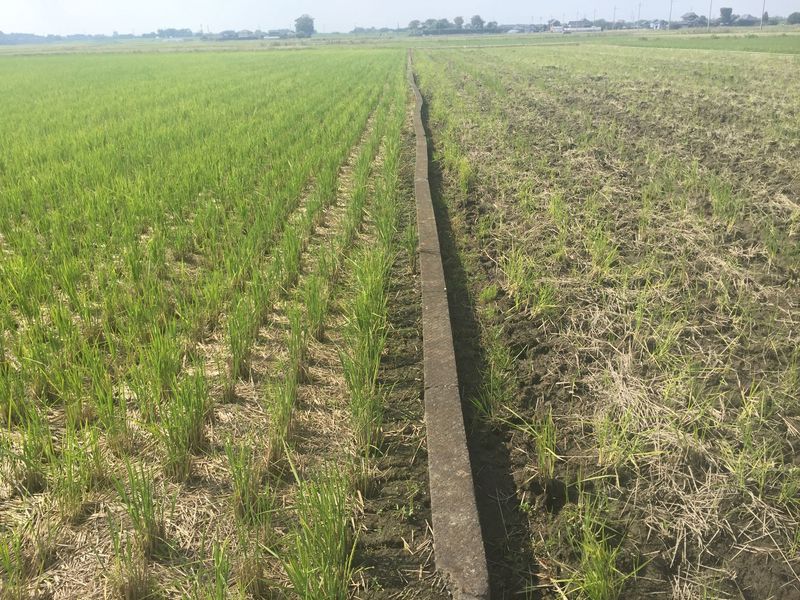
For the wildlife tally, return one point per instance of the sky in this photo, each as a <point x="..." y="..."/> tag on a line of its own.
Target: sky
<point x="141" y="16"/>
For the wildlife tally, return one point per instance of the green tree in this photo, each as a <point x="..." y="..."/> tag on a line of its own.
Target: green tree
<point x="725" y="14"/>
<point x="459" y="22"/>
<point x="414" y="25"/>
<point x="304" y="26"/>
<point x="476" y="22"/>
<point x="794" y="18"/>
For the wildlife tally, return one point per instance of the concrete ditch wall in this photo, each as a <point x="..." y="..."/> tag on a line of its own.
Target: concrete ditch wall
<point x="458" y="541"/>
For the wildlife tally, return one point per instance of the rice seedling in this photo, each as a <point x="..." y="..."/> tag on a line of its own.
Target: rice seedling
<point x="319" y="559"/>
<point x="242" y="329"/>
<point x="14" y="565"/>
<point x="218" y="589"/>
<point x="280" y="400"/>
<point x="252" y="498"/>
<point x="144" y="507"/>
<point x="130" y="577"/>
<point x="78" y="470"/>
<point x="28" y="463"/>
<point x="182" y="425"/>
<point x="497" y="381"/>
<point x="251" y="562"/>
<point x="298" y="342"/>
<point x="597" y="576"/>
<point x="543" y="432"/>
<point x="315" y="301"/>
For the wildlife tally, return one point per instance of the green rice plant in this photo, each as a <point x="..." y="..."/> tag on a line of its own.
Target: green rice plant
<point x="159" y="364"/>
<point x="183" y="423"/>
<point x="385" y="214"/>
<point x="298" y="342"/>
<point x="290" y="252"/>
<point x="489" y="293"/>
<point x="145" y="509"/>
<point x="242" y="330"/>
<point x="319" y="558"/>
<point x="619" y="442"/>
<point x="12" y="392"/>
<point x="316" y="305"/>
<point x="252" y="499"/>
<point x="77" y="472"/>
<point x="251" y="562"/>
<point x="280" y="400"/>
<point x="15" y="566"/>
<point x="596" y="575"/>
<point x="218" y="590"/>
<point x="557" y="208"/>
<point x="25" y="552"/>
<point x="112" y="412"/>
<point x="520" y="276"/>
<point x="29" y="462"/>
<point x="725" y="205"/>
<point x="543" y="432"/>
<point x="410" y="243"/>
<point x="130" y="577"/>
<point x="497" y="385"/>
<point x="601" y="248"/>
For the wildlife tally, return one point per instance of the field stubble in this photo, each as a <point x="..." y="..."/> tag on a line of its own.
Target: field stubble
<point x="631" y="240"/>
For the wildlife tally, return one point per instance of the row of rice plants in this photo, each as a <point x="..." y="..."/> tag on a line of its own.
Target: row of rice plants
<point x="317" y="558"/>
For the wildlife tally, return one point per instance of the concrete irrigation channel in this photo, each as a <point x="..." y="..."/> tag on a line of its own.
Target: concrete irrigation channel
<point x="458" y="542"/>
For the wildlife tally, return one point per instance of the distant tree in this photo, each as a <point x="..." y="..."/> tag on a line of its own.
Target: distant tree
<point x="304" y="26"/>
<point x="793" y="19"/>
<point x="491" y="26"/>
<point x="459" y="22"/>
<point x="443" y="24"/>
<point x="765" y="17"/>
<point x="725" y="15"/>
<point x="476" y="22"/>
<point x="746" y="21"/>
<point x="414" y="25"/>
<point x="430" y="23"/>
<point x="691" y="19"/>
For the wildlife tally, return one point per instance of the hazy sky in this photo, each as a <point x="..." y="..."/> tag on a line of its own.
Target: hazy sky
<point x="140" y="16"/>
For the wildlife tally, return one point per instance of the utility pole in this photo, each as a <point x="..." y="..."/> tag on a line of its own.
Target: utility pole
<point x="639" y="16"/>
<point x="669" y="24"/>
<point x="614" y="18"/>
<point x="763" y="10"/>
<point x="708" y="25"/>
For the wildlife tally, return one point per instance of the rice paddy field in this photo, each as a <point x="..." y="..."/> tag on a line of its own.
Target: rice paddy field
<point x="202" y="259"/>
<point x="624" y="267"/>
<point x="210" y="345"/>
